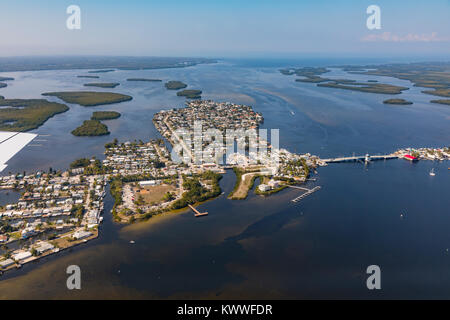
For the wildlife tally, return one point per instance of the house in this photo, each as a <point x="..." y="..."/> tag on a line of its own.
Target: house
<point x="80" y="234"/>
<point x="263" y="187"/>
<point x="43" y="247"/>
<point x="273" y="184"/>
<point x="21" y="256"/>
<point x="6" y="263"/>
<point x="28" y="232"/>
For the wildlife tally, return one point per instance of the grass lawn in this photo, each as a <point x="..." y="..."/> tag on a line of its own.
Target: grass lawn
<point x="155" y="194"/>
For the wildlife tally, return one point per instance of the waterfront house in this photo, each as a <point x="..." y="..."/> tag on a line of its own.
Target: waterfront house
<point x="80" y="234"/>
<point x="21" y="256"/>
<point x="6" y="263"/>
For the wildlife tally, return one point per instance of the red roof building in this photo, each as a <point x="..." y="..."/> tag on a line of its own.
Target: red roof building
<point x="410" y="157"/>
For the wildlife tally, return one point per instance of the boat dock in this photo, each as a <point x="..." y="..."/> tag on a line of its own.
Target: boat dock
<point x="197" y="213"/>
<point x="307" y="193"/>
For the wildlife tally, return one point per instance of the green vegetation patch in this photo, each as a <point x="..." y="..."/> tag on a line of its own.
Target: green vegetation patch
<point x="191" y="94"/>
<point x="91" y="128"/>
<point x="144" y="79"/>
<point x="88" y="98"/>
<point x="429" y="75"/>
<point x="102" y="84"/>
<point x="304" y="72"/>
<point x="175" y="85"/>
<point x="441" y="101"/>
<point x="2" y="85"/>
<point x="397" y="101"/>
<point x="102" y="71"/>
<point x="6" y="78"/>
<point x="196" y="192"/>
<point x="27" y="114"/>
<point x="313" y="79"/>
<point x="366" y="87"/>
<point x="438" y="92"/>
<point x="80" y="163"/>
<point x="105" y="115"/>
<point x="313" y="75"/>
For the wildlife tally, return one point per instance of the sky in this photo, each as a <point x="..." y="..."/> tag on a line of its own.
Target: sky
<point x="231" y="28"/>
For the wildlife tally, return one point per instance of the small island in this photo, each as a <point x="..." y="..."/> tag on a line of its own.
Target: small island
<point x="441" y="101"/>
<point x="89" y="98"/>
<point x="2" y="85"/>
<point x="433" y="75"/>
<point x="89" y="77"/>
<point x="6" y="78"/>
<point x="365" y="87"/>
<point x="190" y="94"/>
<point x="101" y="71"/>
<point x="91" y="128"/>
<point x="397" y="101"/>
<point x="438" y="92"/>
<point x="144" y="79"/>
<point x="102" y="85"/>
<point x="175" y="85"/>
<point x="314" y="75"/>
<point x="27" y="114"/>
<point x="105" y="115"/>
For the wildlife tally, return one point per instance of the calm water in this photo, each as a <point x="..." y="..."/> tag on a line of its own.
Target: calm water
<point x="260" y="247"/>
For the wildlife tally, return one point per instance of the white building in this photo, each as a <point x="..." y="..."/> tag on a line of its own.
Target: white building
<point x="149" y="183"/>
<point x="6" y="263"/>
<point x="80" y="234"/>
<point x="21" y="256"/>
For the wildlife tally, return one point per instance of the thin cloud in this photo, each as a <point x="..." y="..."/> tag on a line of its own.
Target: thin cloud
<point x="410" y="37"/>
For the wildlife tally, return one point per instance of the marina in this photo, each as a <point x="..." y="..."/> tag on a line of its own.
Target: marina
<point x="307" y="193"/>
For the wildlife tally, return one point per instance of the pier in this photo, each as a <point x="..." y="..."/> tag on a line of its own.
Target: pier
<point x="366" y="158"/>
<point x="197" y="213"/>
<point x="307" y="193"/>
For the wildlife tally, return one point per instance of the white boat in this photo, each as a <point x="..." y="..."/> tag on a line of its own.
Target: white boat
<point x="432" y="172"/>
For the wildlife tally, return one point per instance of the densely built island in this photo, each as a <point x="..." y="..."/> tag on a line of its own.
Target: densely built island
<point x="60" y="209"/>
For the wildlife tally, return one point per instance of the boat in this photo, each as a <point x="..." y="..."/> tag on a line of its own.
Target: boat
<point x="432" y="172"/>
<point x="132" y="241"/>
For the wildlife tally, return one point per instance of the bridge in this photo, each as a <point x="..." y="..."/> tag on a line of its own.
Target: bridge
<point x="366" y="158"/>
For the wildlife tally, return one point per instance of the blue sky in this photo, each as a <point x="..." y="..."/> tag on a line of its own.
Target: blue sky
<point x="225" y="28"/>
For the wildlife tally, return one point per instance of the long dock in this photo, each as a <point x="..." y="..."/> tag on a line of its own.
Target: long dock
<point x="197" y="213"/>
<point x="307" y="193"/>
<point x="364" y="158"/>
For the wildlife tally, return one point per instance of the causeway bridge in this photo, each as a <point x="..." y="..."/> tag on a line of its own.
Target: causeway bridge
<point x="366" y="158"/>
